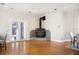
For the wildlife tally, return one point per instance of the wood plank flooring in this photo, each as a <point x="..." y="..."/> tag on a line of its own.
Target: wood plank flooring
<point x="37" y="48"/>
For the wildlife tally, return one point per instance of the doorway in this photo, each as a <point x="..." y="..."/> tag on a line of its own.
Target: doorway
<point x="17" y="31"/>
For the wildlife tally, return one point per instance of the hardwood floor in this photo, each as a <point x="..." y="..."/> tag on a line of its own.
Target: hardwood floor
<point x="37" y="48"/>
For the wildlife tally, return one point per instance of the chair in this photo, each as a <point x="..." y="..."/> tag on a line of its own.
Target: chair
<point x="73" y="39"/>
<point x="77" y="42"/>
<point x="3" y="41"/>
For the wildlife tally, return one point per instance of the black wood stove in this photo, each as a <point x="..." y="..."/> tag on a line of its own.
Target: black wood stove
<point x="40" y="32"/>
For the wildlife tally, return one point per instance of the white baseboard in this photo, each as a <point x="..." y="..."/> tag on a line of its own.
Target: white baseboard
<point x="14" y="41"/>
<point x="58" y="40"/>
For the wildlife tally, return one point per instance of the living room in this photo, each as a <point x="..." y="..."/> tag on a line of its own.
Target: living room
<point x="22" y="22"/>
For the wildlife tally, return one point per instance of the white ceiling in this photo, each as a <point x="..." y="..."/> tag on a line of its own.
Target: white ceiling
<point x="38" y="8"/>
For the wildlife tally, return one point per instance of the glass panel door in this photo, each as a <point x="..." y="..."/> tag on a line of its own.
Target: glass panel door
<point x="14" y="30"/>
<point x="22" y="30"/>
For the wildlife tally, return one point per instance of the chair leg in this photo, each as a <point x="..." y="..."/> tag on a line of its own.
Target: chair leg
<point x="73" y="42"/>
<point x="5" y="45"/>
<point x="77" y="45"/>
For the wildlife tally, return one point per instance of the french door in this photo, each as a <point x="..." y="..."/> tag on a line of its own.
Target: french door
<point x="17" y="31"/>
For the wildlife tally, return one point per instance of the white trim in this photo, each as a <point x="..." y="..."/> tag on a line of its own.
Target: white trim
<point x="67" y="40"/>
<point x="51" y="40"/>
<point x="16" y="40"/>
<point x="58" y="40"/>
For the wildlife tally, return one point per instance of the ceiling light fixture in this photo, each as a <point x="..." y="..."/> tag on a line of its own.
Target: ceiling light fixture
<point x="2" y="3"/>
<point x="29" y="12"/>
<point x="55" y="9"/>
<point x="11" y="8"/>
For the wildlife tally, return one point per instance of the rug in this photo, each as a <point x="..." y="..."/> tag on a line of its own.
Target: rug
<point x="73" y="47"/>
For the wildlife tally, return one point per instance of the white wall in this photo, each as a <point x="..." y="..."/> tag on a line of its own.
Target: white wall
<point x="71" y="22"/>
<point x="7" y="16"/>
<point x="58" y="23"/>
<point x="61" y="23"/>
<point x="55" y="24"/>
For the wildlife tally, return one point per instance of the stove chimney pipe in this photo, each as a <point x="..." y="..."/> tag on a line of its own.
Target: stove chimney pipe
<point x="40" y="22"/>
